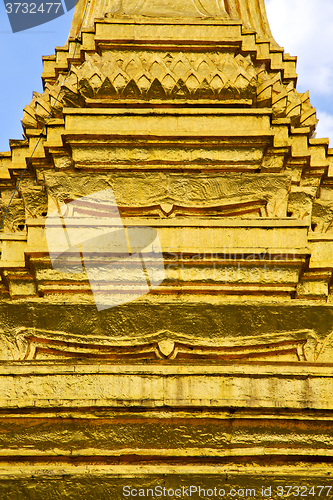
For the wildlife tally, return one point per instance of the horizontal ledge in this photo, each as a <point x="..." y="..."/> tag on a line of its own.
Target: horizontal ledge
<point x="253" y="370"/>
<point x="320" y="237"/>
<point x="175" y="103"/>
<point x="197" y="222"/>
<point x="10" y="264"/>
<point x="105" y="42"/>
<point x="133" y="138"/>
<point x="145" y="453"/>
<point x="133" y="471"/>
<point x="13" y="237"/>
<point x="220" y="385"/>
<point x="151" y="21"/>
<point x="153" y="402"/>
<point x="167" y="111"/>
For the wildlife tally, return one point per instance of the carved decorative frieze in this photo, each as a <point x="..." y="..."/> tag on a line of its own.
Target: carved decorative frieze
<point x="15" y="216"/>
<point x="144" y="75"/>
<point x="172" y="194"/>
<point x="33" y="344"/>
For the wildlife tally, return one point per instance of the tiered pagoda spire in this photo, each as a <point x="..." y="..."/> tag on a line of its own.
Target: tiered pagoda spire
<point x="187" y="112"/>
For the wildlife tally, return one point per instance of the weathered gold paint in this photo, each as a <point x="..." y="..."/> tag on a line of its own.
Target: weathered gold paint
<point x="222" y="375"/>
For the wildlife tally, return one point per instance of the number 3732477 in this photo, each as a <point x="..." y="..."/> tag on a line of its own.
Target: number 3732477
<point x="32" y="8"/>
<point x="303" y="491"/>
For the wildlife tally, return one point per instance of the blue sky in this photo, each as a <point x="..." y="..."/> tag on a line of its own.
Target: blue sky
<point x="21" y="68"/>
<point x="303" y="27"/>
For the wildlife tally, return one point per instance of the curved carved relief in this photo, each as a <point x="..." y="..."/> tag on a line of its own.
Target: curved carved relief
<point x="33" y="344"/>
<point x="33" y="203"/>
<point x="300" y="202"/>
<point x="322" y="216"/>
<point x="14" y="344"/>
<point x="324" y="350"/>
<point x="215" y="194"/>
<point x="15" y="217"/>
<point x="254" y="208"/>
<point x="34" y="199"/>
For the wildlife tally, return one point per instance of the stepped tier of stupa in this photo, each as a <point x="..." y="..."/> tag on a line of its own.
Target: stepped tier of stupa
<point x="217" y="371"/>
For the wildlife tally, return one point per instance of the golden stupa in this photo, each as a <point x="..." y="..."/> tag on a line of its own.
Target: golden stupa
<point x="213" y="378"/>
